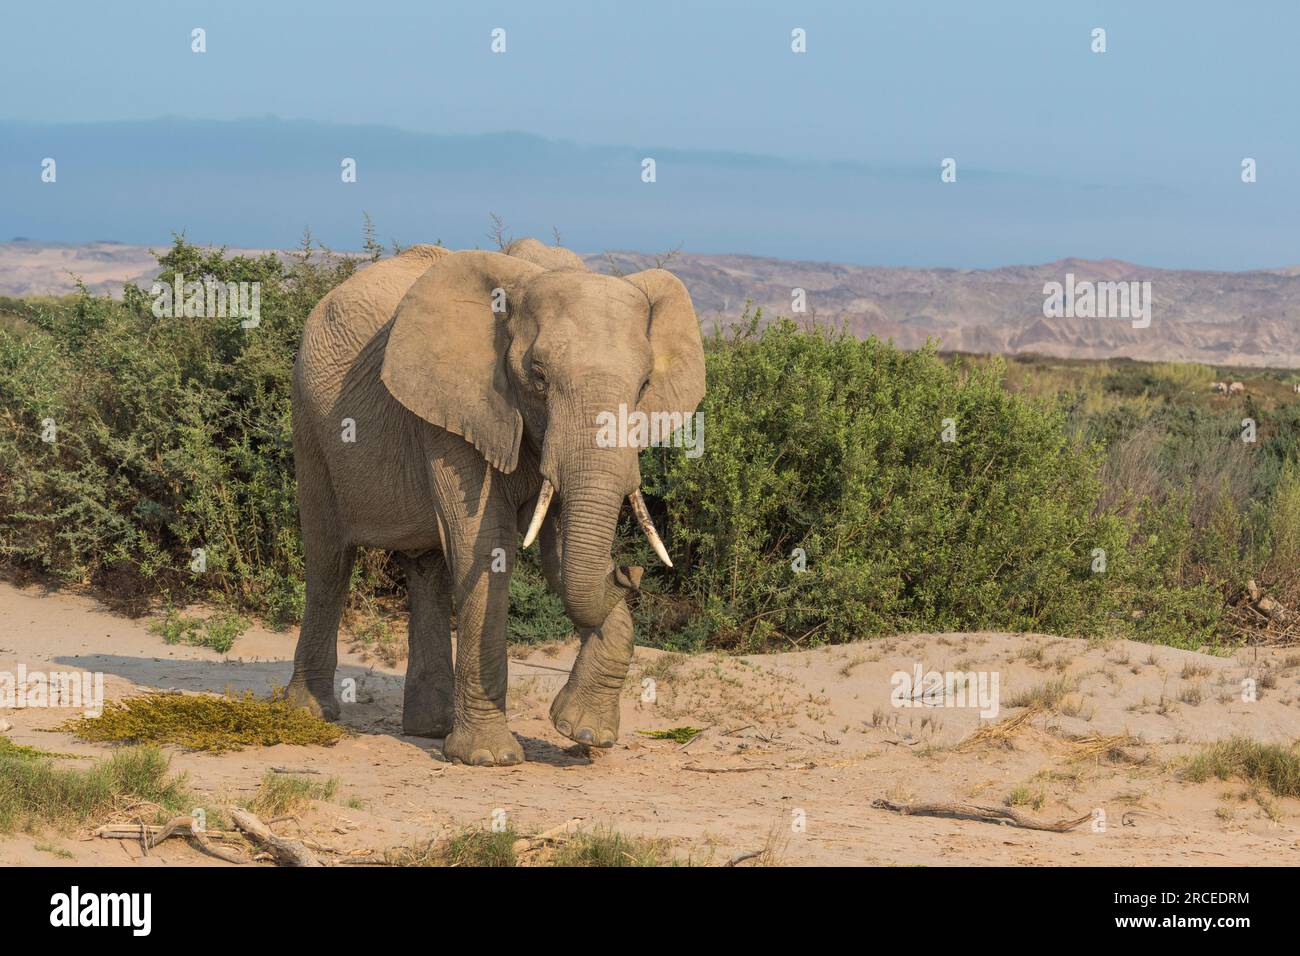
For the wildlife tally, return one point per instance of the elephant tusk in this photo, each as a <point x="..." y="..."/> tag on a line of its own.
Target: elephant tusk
<point x="543" y="502"/>
<point x="643" y="519"/>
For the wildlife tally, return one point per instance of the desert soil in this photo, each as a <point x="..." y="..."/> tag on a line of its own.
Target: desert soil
<point x="805" y="736"/>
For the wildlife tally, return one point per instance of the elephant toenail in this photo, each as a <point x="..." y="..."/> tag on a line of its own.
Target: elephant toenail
<point x="481" y="758"/>
<point x="585" y="736"/>
<point x="564" y="727"/>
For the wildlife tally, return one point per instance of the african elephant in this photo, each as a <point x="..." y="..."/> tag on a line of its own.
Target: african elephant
<point x="441" y="398"/>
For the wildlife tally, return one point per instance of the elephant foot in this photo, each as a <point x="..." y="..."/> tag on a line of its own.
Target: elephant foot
<point x="316" y="697"/>
<point x="483" y="745"/>
<point x="589" y="716"/>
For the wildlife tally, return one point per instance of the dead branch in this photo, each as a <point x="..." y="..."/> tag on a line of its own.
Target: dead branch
<point x="151" y="836"/>
<point x="976" y="811"/>
<point x="286" y="852"/>
<point x="220" y="852"/>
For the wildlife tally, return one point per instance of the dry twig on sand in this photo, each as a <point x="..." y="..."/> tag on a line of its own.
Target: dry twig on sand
<point x="151" y="836"/>
<point x="286" y="852"/>
<point x="976" y="811"/>
<point x="696" y="768"/>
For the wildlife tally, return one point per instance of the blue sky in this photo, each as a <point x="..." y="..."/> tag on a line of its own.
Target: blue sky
<point x="1133" y="153"/>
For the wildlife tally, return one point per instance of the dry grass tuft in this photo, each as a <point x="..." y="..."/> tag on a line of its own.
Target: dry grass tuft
<point x="284" y="793"/>
<point x="601" y="847"/>
<point x="999" y="734"/>
<point x="1113" y="748"/>
<point x="1270" y="766"/>
<point x="34" y="793"/>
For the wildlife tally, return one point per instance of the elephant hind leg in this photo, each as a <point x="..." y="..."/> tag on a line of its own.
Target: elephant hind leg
<point x="430" y="680"/>
<point x="327" y="560"/>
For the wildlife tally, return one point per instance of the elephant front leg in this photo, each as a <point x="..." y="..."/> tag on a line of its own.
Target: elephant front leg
<point x="587" y="707"/>
<point x="479" y="734"/>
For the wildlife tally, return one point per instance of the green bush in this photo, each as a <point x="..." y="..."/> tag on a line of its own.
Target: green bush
<point x="174" y="435"/>
<point x="818" y="441"/>
<point x="536" y="612"/>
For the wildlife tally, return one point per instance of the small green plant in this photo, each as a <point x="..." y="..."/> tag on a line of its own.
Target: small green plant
<point x="205" y="722"/>
<point x="10" y="749"/>
<point x="1026" y="796"/>
<point x="679" y="735"/>
<point x="54" y="850"/>
<point x="218" y="632"/>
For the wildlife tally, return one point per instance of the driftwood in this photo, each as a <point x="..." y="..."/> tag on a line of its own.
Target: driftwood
<point x="151" y="836"/>
<point x="976" y="811"/>
<point x="742" y="857"/>
<point x="285" y="852"/>
<point x="220" y="852"/>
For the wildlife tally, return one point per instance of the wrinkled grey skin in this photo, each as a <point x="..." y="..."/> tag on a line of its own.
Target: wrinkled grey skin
<point x="458" y="413"/>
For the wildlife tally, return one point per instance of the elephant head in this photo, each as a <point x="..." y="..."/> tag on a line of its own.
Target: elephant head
<point x="502" y="350"/>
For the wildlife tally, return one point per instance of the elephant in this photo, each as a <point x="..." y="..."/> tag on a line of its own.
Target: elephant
<point x="442" y="398"/>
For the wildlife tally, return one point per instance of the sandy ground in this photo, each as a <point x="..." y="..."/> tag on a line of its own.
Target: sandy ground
<point x="796" y="748"/>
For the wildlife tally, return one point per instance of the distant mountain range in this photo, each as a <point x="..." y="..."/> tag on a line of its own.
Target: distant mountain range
<point x="1222" y="318"/>
<point x="261" y="182"/>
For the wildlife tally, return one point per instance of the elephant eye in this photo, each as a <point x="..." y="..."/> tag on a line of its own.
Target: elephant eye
<point x="641" y="394"/>
<point x="539" y="377"/>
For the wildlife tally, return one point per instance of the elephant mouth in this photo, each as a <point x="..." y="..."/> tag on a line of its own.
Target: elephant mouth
<point x="628" y="576"/>
<point x="638" y="508"/>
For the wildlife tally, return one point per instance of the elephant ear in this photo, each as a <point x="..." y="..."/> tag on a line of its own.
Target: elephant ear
<point x="446" y="354"/>
<point x="677" y="380"/>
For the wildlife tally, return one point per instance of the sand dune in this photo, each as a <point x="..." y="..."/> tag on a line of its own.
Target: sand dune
<point x="807" y="735"/>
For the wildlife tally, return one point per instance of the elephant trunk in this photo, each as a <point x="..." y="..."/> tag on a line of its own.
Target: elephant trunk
<point x="591" y="586"/>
